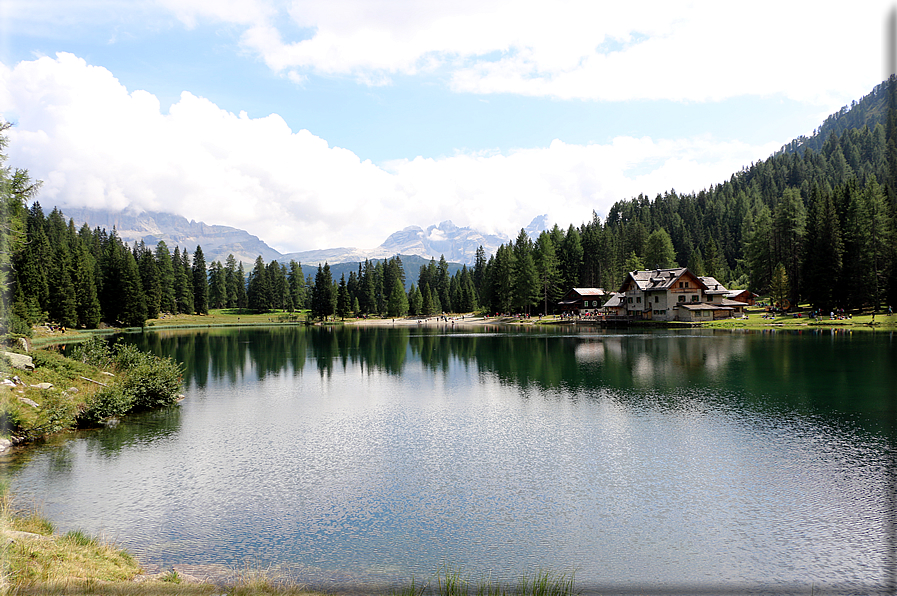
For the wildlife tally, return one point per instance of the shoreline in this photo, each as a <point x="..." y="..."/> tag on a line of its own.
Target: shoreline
<point x="48" y="339"/>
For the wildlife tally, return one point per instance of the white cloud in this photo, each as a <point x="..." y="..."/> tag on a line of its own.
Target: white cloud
<point x="825" y="54"/>
<point x="581" y="49"/>
<point x="94" y="143"/>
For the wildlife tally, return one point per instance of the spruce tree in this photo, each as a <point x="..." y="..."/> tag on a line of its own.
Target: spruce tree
<point x="343" y="304"/>
<point x="200" y="283"/>
<point x="242" y="301"/>
<point x="526" y="282"/>
<point x="151" y="279"/>
<point x="231" y="281"/>
<point x="397" y="305"/>
<point x="258" y="291"/>
<point x="167" y="297"/>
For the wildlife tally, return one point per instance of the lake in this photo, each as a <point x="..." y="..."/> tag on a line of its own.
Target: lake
<point x="663" y="460"/>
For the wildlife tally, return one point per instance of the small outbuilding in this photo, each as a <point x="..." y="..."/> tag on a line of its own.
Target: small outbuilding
<point x="582" y="300"/>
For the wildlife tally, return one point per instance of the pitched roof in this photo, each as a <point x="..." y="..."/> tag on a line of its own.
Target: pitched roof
<point x="713" y="286"/>
<point x="734" y="293"/>
<point x="658" y="279"/>
<point x="615" y="301"/>
<point x="590" y="291"/>
<point x="703" y="306"/>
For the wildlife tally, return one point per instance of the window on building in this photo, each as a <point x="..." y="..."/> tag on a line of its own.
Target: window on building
<point x="656" y="299"/>
<point x="629" y="300"/>
<point x="681" y="298"/>
<point x="686" y="284"/>
<point x="694" y="298"/>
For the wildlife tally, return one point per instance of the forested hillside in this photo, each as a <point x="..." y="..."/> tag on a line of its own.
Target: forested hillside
<point x="813" y="223"/>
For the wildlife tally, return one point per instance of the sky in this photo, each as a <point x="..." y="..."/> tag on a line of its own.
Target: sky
<point x="318" y="124"/>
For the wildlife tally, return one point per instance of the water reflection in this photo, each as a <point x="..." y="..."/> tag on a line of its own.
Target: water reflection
<point x="850" y="373"/>
<point x="640" y="458"/>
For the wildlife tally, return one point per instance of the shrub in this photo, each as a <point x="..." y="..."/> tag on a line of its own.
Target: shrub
<point x="15" y="325"/>
<point x="95" y="352"/>
<point x="110" y="402"/>
<point x="127" y="356"/>
<point x="153" y="383"/>
<point x="57" y="412"/>
<point x="10" y="418"/>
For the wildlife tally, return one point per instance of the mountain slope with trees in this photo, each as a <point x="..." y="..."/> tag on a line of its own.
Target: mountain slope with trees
<point x="814" y="222"/>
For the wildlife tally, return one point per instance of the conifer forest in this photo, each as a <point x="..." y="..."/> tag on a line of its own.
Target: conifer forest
<point x="816" y="222"/>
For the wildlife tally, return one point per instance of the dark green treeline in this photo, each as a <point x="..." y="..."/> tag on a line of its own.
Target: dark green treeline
<point x="815" y="222"/>
<point x="84" y="277"/>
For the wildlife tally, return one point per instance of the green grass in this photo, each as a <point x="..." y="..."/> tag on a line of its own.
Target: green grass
<point x="449" y="581"/>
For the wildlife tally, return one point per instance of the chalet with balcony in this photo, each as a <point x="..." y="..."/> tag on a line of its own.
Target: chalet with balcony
<point x="675" y="294"/>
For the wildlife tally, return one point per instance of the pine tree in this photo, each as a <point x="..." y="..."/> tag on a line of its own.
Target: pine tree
<point x="231" y="281"/>
<point x="789" y="227"/>
<point x="258" y="292"/>
<point x="659" y="252"/>
<point x="343" y="304"/>
<point x="415" y="301"/>
<point x="759" y="251"/>
<point x="634" y="263"/>
<point x="822" y="253"/>
<point x="323" y="299"/>
<point x="297" y="285"/>
<point x="526" y="282"/>
<point x="242" y="299"/>
<point x="779" y="286"/>
<point x="397" y="305"/>
<point x="167" y="297"/>
<point x="571" y="258"/>
<point x="200" y="283"/>
<point x="151" y="279"/>
<point x="217" y="285"/>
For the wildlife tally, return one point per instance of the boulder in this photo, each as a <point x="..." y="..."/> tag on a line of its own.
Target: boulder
<point x="42" y="386"/>
<point x="20" y="361"/>
<point x="30" y="402"/>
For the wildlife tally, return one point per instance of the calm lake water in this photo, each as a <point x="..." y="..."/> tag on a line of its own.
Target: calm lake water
<point x="662" y="460"/>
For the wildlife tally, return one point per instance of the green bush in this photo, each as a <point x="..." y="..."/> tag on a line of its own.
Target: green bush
<point x="10" y="419"/>
<point x="57" y="412"/>
<point x="127" y="356"/>
<point x="153" y="383"/>
<point x="110" y="402"/>
<point x="95" y="352"/>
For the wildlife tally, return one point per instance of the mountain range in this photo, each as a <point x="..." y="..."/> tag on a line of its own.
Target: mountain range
<point x="457" y="244"/>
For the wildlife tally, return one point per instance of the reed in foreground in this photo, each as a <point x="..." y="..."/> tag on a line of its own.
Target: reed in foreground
<point x="449" y="581"/>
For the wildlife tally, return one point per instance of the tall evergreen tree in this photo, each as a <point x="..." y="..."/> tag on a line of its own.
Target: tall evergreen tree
<point x="323" y="299"/>
<point x="823" y="251"/>
<point x="167" y="297"/>
<point x="397" y="304"/>
<point x="217" y="285"/>
<point x="232" y="281"/>
<point x="258" y="291"/>
<point x="659" y="252"/>
<point x="200" y="283"/>
<point x="547" y="270"/>
<point x="151" y="279"/>
<point x="242" y="299"/>
<point x="343" y="304"/>
<point x="526" y="282"/>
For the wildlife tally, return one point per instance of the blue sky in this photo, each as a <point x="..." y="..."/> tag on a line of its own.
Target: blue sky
<point x="321" y="124"/>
